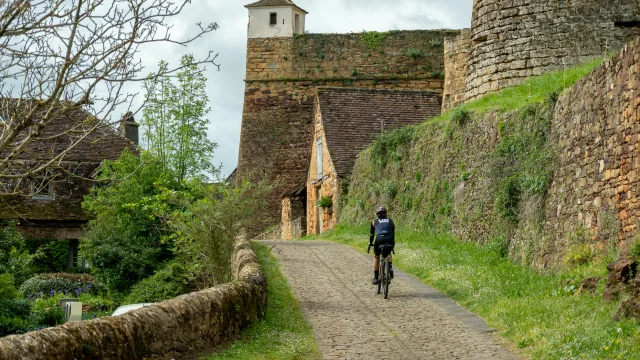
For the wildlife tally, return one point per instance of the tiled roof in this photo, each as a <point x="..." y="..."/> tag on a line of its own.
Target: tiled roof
<point x="265" y="3"/>
<point x="352" y="118"/>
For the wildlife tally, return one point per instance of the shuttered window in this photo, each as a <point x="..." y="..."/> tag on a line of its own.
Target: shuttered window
<point x="319" y="158"/>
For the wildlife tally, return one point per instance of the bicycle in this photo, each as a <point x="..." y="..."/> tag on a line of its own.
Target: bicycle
<point x="384" y="273"/>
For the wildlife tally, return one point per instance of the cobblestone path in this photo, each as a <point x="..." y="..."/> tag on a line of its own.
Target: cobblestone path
<point x="332" y="282"/>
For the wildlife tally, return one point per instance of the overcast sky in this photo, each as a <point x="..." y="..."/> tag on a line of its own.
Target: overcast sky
<point x="226" y="87"/>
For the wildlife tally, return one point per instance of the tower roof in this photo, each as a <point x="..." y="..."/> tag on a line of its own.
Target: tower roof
<point x="267" y="3"/>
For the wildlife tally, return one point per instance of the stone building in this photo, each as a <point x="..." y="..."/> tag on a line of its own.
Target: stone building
<point x="48" y="204"/>
<point x="347" y="121"/>
<point x="285" y="65"/>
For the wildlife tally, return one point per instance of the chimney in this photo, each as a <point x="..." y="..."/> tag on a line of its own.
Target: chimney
<point x="129" y="127"/>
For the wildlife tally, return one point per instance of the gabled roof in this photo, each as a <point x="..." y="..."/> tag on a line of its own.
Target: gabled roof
<point x="352" y="118"/>
<point x="267" y="3"/>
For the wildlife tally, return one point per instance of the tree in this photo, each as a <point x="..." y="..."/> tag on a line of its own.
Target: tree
<point x="175" y="121"/>
<point x="58" y="56"/>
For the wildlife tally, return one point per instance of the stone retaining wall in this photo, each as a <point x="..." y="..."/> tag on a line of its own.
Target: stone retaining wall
<point x="180" y="328"/>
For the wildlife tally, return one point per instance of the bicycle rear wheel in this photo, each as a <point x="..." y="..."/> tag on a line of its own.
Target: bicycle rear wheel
<point x="381" y="276"/>
<point x="386" y="279"/>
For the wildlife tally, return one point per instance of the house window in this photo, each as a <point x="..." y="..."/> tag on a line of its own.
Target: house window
<point x="42" y="188"/>
<point x="319" y="158"/>
<point x="273" y="19"/>
<point x="75" y="260"/>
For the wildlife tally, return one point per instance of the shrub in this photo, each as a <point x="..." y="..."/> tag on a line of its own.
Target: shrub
<point x="7" y="289"/>
<point x="12" y="325"/>
<point x="387" y="146"/>
<point x="48" y="284"/>
<point x="52" y="316"/>
<point x="20" y="308"/>
<point x="165" y="284"/>
<point x="580" y="254"/>
<point x="50" y="255"/>
<point x="459" y="116"/>
<point x="14" y="259"/>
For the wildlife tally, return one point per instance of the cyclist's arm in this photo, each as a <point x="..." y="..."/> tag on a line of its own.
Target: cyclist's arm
<point x="372" y="231"/>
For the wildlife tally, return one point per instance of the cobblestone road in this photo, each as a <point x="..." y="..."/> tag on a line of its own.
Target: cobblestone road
<point x="332" y="284"/>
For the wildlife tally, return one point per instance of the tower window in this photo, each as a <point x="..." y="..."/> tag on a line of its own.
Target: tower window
<point x="273" y="19"/>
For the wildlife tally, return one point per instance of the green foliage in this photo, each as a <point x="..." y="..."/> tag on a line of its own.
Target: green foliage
<point x="354" y="72"/>
<point x="498" y="246"/>
<point x="48" y="284"/>
<point x="579" y="254"/>
<point x="414" y="53"/>
<point x="634" y="252"/>
<point x="524" y="160"/>
<point x="459" y="116"/>
<point x="127" y="240"/>
<point x="52" y="316"/>
<point x="325" y="202"/>
<point x="49" y="255"/>
<point x="373" y="39"/>
<point x="14" y="258"/>
<point x="174" y="121"/>
<point x="435" y="42"/>
<point x="7" y="288"/>
<point x="205" y="234"/>
<point x="13" y="325"/>
<point x="166" y="283"/>
<point x="392" y="146"/>
<point x="284" y="333"/>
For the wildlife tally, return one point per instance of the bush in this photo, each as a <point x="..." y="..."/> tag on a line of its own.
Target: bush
<point x="459" y="116"/>
<point x="7" y="289"/>
<point x="49" y="255"/>
<point x="48" y="284"/>
<point x="165" y="284"/>
<point x="579" y="255"/>
<point x="52" y="316"/>
<point x="15" y="308"/>
<point x="14" y="259"/>
<point x="414" y="53"/>
<point x="12" y="325"/>
<point x="325" y="202"/>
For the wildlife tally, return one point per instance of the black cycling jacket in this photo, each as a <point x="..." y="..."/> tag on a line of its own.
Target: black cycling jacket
<point x="382" y="226"/>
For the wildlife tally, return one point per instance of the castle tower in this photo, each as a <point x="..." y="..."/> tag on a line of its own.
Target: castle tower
<point x="511" y="41"/>
<point x="275" y="18"/>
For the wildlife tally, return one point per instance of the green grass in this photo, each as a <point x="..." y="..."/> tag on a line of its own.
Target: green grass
<point x="284" y="333"/>
<point x="534" y="90"/>
<point x="538" y="312"/>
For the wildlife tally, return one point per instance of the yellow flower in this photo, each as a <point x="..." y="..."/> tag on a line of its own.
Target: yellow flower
<point x="606" y="348"/>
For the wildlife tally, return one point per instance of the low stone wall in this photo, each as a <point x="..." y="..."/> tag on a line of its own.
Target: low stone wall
<point x="180" y="328"/>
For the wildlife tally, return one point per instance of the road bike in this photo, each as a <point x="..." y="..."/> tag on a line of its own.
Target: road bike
<point x="384" y="272"/>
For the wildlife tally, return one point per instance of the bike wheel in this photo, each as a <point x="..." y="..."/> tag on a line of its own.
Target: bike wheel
<point x="380" y="277"/>
<point x="386" y="280"/>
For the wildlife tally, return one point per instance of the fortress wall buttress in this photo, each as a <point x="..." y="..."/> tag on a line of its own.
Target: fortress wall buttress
<point x="456" y="61"/>
<point x="282" y="74"/>
<point x="515" y="39"/>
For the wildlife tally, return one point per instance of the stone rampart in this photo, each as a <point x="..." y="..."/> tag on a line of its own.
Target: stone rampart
<point x="596" y="186"/>
<point x="282" y="73"/>
<point x="181" y="328"/>
<point x="456" y="59"/>
<point x="515" y="39"/>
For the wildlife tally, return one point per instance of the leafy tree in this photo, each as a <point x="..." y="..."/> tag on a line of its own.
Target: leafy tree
<point x="127" y="241"/>
<point x="175" y="121"/>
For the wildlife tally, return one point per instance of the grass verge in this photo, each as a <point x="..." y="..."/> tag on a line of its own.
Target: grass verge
<point x="538" y="312"/>
<point x="284" y="333"/>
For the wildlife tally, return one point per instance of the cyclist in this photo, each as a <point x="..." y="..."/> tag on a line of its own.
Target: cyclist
<point x="383" y="229"/>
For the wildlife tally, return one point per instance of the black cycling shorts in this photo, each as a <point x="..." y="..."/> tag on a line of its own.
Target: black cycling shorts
<point x="382" y="239"/>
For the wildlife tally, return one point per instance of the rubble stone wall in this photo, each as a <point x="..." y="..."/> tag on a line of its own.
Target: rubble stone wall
<point x="456" y="60"/>
<point x="596" y="185"/>
<point x="181" y="328"/>
<point x="515" y="39"/>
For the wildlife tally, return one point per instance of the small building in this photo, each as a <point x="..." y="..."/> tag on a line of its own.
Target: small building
<point x="347" y="121"/>
<point x="275" y="18"/>
<point x="48" y="205"/>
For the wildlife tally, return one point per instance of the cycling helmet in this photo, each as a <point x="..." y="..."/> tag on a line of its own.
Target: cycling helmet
<point x="381" y="211"/>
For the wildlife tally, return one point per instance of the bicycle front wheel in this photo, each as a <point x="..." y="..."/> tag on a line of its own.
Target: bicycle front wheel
<point x="386" y="279"/>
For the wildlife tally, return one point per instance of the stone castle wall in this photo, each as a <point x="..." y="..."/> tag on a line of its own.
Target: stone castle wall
<point x="516" y="39"/>
<point x="456" y="60"/>
<point x="596" y="185"/>
<point x="181" y="328"/>
<point x="282" y="73"/>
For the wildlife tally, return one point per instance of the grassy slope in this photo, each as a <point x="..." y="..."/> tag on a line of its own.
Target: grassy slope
<point x="284" y="333"/>
<point x="539" y="312"/>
